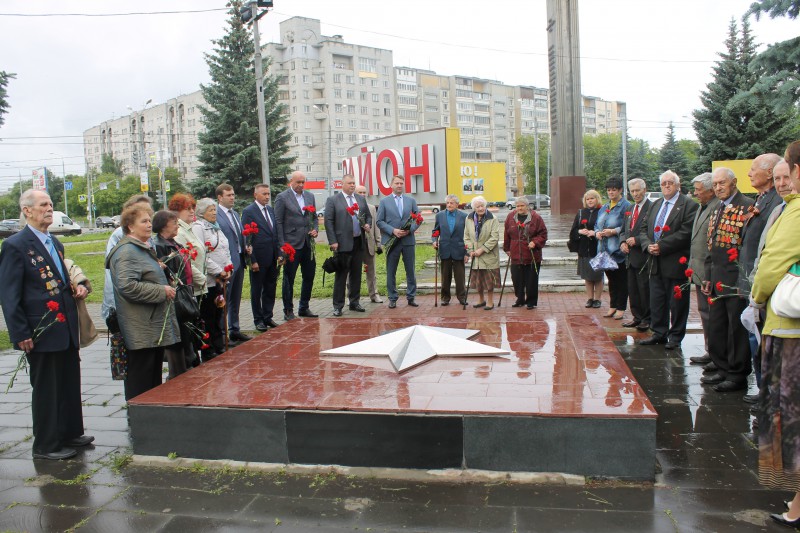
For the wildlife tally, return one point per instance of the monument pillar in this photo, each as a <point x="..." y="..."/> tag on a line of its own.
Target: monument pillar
<point x="568" y="182"/>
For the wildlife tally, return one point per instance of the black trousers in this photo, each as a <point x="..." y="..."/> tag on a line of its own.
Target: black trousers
<point x="351" y="276"/>
<point x="263" y="285"/>
<point x="668" y="315"/>
<point x="144" y="371"/>
<point x="453" y="268"/>
<point x="639" y="294"/>
<point x="618" y="287"/>
<point x="526" y="283"/>
<point x="729" y="343"/>
<point x="308" y="267"/>
<point x="212" y="317"/>
<point x="56" y="399"/>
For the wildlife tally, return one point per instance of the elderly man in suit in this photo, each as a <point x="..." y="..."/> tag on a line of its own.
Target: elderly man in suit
<point x="704" y="192"/>
<point x="393" y="213"/>
<point x="448" y="228"/>
<point x="266" y="257"/>
<point x="42" y="318"/>
<point x="297" y="225"/>
<point x="638" y="279"/>
<point x="347" y="222"/>
<point x="231" y="225"/>
<point x="667" y="238"/>
<point x="372" y="246"/>
<point x="728" y="346"/>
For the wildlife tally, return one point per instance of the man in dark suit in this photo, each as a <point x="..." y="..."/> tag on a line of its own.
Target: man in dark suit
<point x="231" y="225"/>
<point x="450" y="243"/>
<point x="42" y="317"/>
<point x="728" y="346"/>
<point x="638" y="279"/>
<point x="666" y="239"/>
<point x="346" y="231"/>
<point x="297" y="225"/>
<point x="266" y="256"/>
<point x="393" y="212"/>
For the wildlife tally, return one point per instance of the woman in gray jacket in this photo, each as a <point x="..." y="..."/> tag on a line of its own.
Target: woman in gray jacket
<point x="143" y="300"/>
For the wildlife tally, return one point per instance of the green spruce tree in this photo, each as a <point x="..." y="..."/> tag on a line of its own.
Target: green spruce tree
<point x="671" y="157"/>
<point x="5" y="77"/>
<point x="229" y="146"/>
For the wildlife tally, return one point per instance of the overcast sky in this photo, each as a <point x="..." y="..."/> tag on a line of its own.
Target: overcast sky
<point x="74" y="72"/>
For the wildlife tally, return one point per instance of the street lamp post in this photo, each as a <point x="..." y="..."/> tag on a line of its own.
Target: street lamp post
<point x="140" y="124"/>
<point x="330" y="146"/>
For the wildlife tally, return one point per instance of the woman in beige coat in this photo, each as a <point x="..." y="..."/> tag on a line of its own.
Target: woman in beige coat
<point x="481" y="237"/>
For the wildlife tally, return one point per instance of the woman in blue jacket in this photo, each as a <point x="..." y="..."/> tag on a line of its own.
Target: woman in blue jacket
<point x="607" y="231"/>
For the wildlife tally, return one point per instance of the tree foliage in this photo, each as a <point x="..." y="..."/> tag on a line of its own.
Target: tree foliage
<point x="525" y="146"/>
<point x="109" y="165"/>
<point x="671" y="156"/>
<point x="229" y="146"/>
<point x="5" y="77"/>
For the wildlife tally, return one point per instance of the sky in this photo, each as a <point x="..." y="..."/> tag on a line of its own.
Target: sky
<point x="75" y="71"/>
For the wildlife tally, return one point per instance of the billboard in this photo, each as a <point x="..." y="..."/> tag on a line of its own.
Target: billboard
<point x="740" y="167"/>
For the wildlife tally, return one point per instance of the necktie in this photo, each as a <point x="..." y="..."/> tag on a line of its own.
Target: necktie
<point x="56" y="259"/>
<point x="356" y="227"/>
<point x="399" y="201"/>
<point x="662" y="216"/>
<point x="635" y="216"/>
<point x="266" y="215"/>
<point x="236" y="228"/>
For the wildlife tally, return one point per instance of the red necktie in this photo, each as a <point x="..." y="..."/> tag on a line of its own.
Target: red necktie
<point x="635" y="216"/>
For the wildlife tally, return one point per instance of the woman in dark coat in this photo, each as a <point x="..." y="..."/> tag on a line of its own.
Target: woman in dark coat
<point x="582" y="237"/>
<point x="524" y="236"/>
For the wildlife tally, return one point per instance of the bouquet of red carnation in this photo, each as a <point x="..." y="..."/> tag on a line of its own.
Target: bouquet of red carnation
<point x="310" y="211"/>
<point x="414" y="218"/>
<point x="661" y="230"/>
<point x="289" y="251"/>
<point x="247" y="232"/>
<point x="41" y="327"/>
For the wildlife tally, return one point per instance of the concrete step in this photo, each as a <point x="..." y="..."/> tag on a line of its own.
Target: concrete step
<point x="566" y="285"/>
<point x="546" y="261"/>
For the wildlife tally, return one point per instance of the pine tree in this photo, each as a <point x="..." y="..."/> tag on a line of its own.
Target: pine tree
<point x="671" y="157"/>
<point x="229" y="147"/>
<point x="5" y="77"/>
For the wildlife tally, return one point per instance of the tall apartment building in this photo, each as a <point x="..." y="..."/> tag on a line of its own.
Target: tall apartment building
<point x="166" y="133"/>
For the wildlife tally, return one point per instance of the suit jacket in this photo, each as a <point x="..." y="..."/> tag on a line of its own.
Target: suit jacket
<point x="674" y="243"/>
<point x="293" y="223"/>
<point x="636" y="257"/>
<point x="389" y="219"/>
<point x="266" y="249"/>
<point x="753" y="229"/>
<point x="32" y="280"/>
<point x="451" y="245"/>
<point x="373" y="239"/>
<point x="725" y="230"/>
<point x="232" y="235"/>
<point x="339" y="223"/>
<point x="699" y="249"/>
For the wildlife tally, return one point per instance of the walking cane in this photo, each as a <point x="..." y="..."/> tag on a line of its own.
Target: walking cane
<point x="436" y="281"/>
<point x="469" y="282"/>
<point x="503" y="288"/>
<point x="225" y="311"/>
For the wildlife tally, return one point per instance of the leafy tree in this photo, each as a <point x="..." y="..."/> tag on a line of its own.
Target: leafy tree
<point x="5" y="77"/>
<point x="602" y="158"/>
<point x="643" y="162"/>
<point x="671" y="157"/>
<point x="526" y="150"/>
<point x="109" y="165"/>
<point x="229" y="148"/>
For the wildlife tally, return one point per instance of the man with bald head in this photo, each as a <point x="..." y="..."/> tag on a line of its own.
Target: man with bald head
<point x="728" y="346"/>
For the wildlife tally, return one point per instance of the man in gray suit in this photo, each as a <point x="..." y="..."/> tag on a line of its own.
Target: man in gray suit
<point x="393" y="212"/>
<point x="347" y="221"/>
<point x="638" y="277"/>
<point x="450" y="243"/>
<point x="297" y="225"/>
<point x="372" y="246"/>
<point x="704" y="192"/>
<point x="231" y="225"/>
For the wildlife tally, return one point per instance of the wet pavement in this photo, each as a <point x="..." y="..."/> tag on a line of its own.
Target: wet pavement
<point x="706" y="473"/>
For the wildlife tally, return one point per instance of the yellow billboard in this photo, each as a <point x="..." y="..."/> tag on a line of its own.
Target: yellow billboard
<point x="468" y="180"/>
<point x="740" y="167"/>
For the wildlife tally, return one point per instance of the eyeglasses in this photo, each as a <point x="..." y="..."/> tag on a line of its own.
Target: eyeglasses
<point x="668" y="184"/>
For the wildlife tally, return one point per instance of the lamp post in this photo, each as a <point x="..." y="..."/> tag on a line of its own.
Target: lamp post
<point x="64" y="177"/>
<point x="327" y="112"/>
<point x="140" y="123"/>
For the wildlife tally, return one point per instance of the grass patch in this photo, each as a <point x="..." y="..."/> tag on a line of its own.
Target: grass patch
<point x="5" y="341"/>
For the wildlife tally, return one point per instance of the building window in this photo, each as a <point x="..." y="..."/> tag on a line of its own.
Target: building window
<point x="387" y="99"/>
<point x="337" y="78"/>
<point x="363" y="96"/>
<point x="366" y="64"/>
<point x="365" y="124"/>
<point x="364" y="110"/>
<point x="337" y="93"/>
<point x="351" y="94"/>
<point x="339" y="123"/>
<point x="338" y="108"/>
<point x="376" y="97"/>
<point x="306" y="109"/>
<point x="351" y="109"/>
<point x="352" y="123"/>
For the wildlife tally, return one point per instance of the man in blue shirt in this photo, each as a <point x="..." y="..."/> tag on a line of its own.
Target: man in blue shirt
<point x="448" y="231"/>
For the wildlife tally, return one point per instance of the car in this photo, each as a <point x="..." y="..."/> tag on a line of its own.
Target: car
<point x="63" y="225"/>
<point x="497" y="204"/>
<point x="544" y="201"/>
<point x="8" y="228"/>
<point x="105" y="222"/>
<point x="116" y="219"/>
<point x="653" y="196"/>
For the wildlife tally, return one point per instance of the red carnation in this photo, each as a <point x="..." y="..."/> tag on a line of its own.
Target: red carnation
<point x="689" y="272"/>
<point x="683" y="260"/>
<point x="310" y="209"/>
<point x="229" y="268"/>
<point x="608" y="210"/>
<point x="416" y="217"/>
<point x="289" y="250"/>
<point x="664" y="228"/>
<point x="353" y="209"/>
<point x="366" y="269"/>
<point x="657" y="229"/>
<point x="719" y="286"/>
<point x="205" y="347"/>
<point x="710" y="300"/>
<point x="677" y="292"/>
<point x="627" y="213"/>
<point x="189" y="245"/>
<point x="52" y="306"/>
<point x="584" y="221"/>
<point x="61" y="318"/>
<point x="194" y="255"/>
<point x="733" y="255"/>
<point x="206" y="335"/>
<point x="435" y="234"/>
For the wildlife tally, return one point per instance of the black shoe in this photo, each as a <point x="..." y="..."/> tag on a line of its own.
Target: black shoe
<point x="729" y="386"/>
<point x="446" y="303"/>
<point x="531" y="307"/>
<point x="750" y="398"/>
<point x="589" y="303"/>
<point x="644" y="326"/>
<point x="337" y="312"/>
<point x="261" y="327"/>
<point x="781" y="520"/>
<point x="288" y="316"/>
<point x="357" y="307"/>
<point x="754" y="411"/>
<point x="700" y="359"/>
<point x="672" y="345"/>
<point x="710" y="367"/>
<point x="412" y="303"/>
<point x="631" y="324"/>
<point x="652" y="339"/>
<point x="392" y="304"/>
<point x="239" y="336"/>
<point x="63" y="453"/>
<point x="712" y="379"/>
<point x="463" y="302"/>
<point x="479" y="305"/>
<point x="77" y="442"/>
<point x="271" y="323"/>
<point x="306" y="313"/>
<point x="517" y="304"/>
<point x="597" y="304"/>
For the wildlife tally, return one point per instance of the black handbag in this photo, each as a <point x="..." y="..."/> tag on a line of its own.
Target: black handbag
<point x="186" y="307"/>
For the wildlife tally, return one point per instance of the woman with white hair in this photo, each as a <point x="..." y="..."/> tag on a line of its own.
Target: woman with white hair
<point x="481" y="237"/>
<point x="217" y="269"/>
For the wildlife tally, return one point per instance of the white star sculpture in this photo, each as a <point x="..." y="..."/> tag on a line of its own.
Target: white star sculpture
<point x="409" y="347"/>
